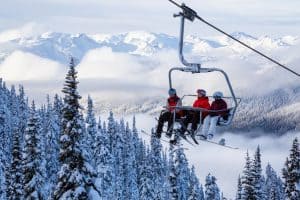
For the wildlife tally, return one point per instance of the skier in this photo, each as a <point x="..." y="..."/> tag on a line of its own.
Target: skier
<point x="193" y="117"/>
<point x="219" y="109"/>
<point x="167" y="115"/>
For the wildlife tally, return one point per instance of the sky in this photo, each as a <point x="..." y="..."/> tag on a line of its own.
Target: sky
<point x="270" y="17"/>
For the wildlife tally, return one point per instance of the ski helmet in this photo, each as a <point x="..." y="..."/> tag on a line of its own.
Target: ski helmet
<point x="202" y="92"/>
<point x="172" y="91"/>
<point x="218" y="95"/>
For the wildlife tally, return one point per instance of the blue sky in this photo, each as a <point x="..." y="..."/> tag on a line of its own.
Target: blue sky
<point x="256" y="17"/>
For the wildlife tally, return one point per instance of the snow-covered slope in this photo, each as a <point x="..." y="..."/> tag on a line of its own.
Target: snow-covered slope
<point x="275" y="112"/>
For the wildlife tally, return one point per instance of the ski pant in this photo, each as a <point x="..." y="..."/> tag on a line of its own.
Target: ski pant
<point x="210" y="125"/>
<point x="192" y="117"/>
<point x="165" y="117"/>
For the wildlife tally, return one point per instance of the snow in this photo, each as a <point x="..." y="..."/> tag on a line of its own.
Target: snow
<point x="56" y="46"/>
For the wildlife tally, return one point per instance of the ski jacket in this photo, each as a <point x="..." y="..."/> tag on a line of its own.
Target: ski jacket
<point x="219" y="104"/>
<point x="202" y="102"/>
<point x="173" y="101"/>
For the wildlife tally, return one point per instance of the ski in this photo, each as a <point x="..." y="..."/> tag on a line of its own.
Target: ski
<point x="217" y="143"/>
<point x="194" y="139"/>
<point x="185" y="138"/>
<point x="163" y="140"/>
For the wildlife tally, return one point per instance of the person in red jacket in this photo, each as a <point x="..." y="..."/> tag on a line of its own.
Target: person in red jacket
<point x="193" y="117"/>
<point x="168" y="114"/>
<point x="218" y="109"/>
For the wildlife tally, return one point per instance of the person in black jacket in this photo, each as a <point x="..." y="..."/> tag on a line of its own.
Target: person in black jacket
<point x="168" y="114"/>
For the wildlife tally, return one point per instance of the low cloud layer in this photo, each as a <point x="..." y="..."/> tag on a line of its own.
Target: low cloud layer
<point x="107" y="75"/>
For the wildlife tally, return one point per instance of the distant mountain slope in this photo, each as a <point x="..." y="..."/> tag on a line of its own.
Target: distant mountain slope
<point x="276" y="112"/>
<point x="59" y="46"/>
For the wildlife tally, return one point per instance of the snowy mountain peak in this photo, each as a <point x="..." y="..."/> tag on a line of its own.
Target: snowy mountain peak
<point x="58" y="46"/>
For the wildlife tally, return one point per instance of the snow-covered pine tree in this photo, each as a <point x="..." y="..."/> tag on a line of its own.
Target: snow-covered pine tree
<point x="4" y="140"/>
<point x="130" y="168"/>
<point x="247" y="181"/>
<point x="183" y="172"/>
<point x="33" y="179"/>
<point x="22" y="113"/>
<point x="104" y="164"/>
<point x="14" y="111"/>
<point x="195" y="191"/>
<point x="111" y="131"/>
<point x="51" y="129"/>
<point x="146" y="186"/>
<point x="14" y="179"/>
<point x="239" y="190"/>
<point x="273" y="185"/>
<point x="119" y="155"/>
<point x="258" y="179"/>
<point x="75" y="178"/>
<point x="91" y="131"/>
<point x="156" y="165"/>
<point x="174" y="190"/>
<point x="139" y="151"/>
<point x="291" y="173"/>
<point x="212" y="191"/>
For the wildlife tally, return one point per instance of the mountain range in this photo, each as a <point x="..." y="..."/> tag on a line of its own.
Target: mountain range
<point x="276" y="111"/>
<point x="59" y="46"/>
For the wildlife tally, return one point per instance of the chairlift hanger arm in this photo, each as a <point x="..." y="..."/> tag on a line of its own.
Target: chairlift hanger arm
<point x="190" y="14"/>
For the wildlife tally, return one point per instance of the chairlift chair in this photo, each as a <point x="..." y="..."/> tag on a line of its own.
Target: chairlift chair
<point x="195" y="68"/>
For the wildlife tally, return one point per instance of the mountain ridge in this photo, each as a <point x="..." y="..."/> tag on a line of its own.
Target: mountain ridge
<point x="59" y="46"/>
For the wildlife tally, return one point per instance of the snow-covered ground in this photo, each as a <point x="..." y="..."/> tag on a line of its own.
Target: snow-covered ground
<point x="226" y="164"/>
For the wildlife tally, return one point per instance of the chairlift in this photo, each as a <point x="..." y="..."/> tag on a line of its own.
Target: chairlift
<point x="196" y="68"/>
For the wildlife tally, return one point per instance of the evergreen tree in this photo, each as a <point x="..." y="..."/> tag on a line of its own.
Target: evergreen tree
<point x="291" y="173"/>
<point x="156" y="165"/>
<point x="91" y="131"/>
<point x="174" y="190"/>
<point x="130" y="168"/>
<point x="104" y="163"/>
<point x="22" y="113"/>
<point x="258" y="180"/>
<point x="212" y="191"/>
<point x="239" y="190"/>
<point x="247" y="181"/>
<point x="51" y="129"/>
<point x="195" y="191"/>
<point x="4" y="140"/>
<point x="182" y="171"/>
<point x="147" y="181"/>
<point x="273" y="185"/>
<point x="14" y="190"/>
<point x="75" y="176"/>
<point x="32" y="156"/>
<point x="118" y="152"/>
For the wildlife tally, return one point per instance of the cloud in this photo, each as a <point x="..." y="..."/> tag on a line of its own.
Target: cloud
<point x="107" y="75"/>
<point x="27" y="30"/>
<point x="20" y="66"/>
